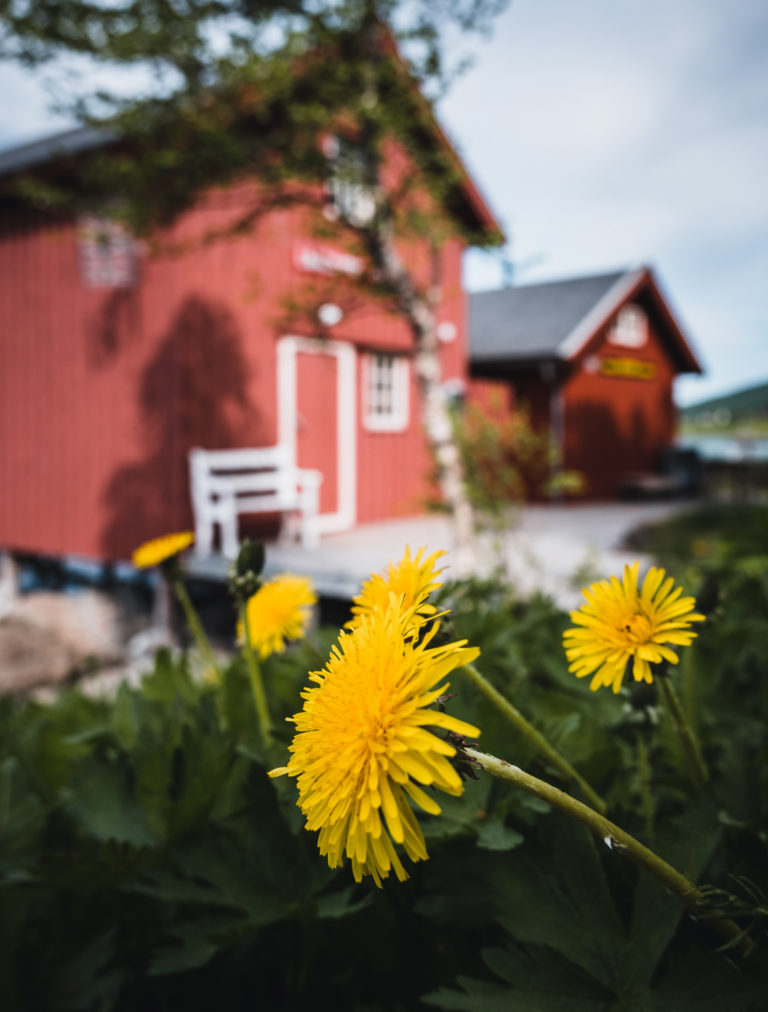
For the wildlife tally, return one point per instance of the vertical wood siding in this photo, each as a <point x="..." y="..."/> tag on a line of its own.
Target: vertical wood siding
<point x="103" y="391"/>
<point x="616" y="425"/>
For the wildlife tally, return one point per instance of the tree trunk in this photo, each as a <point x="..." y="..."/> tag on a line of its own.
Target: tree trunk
<point x="378" y="234"/>
<point x="419" y="312"/>
<point x="439" y="432"/>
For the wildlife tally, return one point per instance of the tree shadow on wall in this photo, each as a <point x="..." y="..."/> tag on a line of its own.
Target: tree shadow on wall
<point x="194" y="392"/>
<point x="596" y="446"/>
<point x="605" y="450"/>
<point x="112" y="327"/>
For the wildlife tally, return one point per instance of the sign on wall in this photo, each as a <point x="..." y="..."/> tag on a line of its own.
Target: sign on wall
<point x="627" y="368"/>
<point x="320" y="259"/>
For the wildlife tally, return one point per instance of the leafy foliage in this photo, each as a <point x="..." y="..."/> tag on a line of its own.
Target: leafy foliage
<point x="240" y="91"/>
<point x="708" y="536"/>
<point x="507" y="460"/>
<point x="744" y="411"/>
<point x="146" y="861"/>
<point x="261" y="100"/>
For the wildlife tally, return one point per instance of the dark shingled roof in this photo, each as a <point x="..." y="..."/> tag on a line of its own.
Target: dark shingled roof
<point x="534" y="321"/>
<point x="71" y="142"/>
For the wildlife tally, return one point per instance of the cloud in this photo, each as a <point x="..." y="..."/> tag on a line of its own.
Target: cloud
<point x="25" y="112"/>
<point x="609" y="134"/>
<point x="606" y="134"/>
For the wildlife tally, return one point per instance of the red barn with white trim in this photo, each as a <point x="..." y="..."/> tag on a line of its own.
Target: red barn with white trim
<point x="117" y="360"/>
<point x="595" y="359"/>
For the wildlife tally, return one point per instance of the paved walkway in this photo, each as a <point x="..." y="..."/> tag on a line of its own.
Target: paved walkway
<point x="557" y="549"/>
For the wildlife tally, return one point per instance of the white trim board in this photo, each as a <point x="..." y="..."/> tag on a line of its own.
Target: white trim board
<point x="597" y="315"/>
<point x="346" y="429"/>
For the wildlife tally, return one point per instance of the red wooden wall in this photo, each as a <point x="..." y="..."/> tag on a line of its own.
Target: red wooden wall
<point x="495" y="397"/>
<point x="104" y="390"/>
<point x="616" y="425"/>
<point x="609" y="426"/>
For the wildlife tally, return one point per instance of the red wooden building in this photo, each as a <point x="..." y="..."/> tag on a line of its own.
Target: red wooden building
<point x="595" y="359"/>
<point x="117" y="359"/>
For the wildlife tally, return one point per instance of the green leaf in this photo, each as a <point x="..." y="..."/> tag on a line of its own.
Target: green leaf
<point x="91" y="979"/>
<point x="125" y="719"/>
<point x="458" y="814"/>
<point x="688" y="846"/>
<point x="168" y="679"/>
<point x="557" y="896"/>
<point x="194" y="945"/>
<point x="192" y="951"/>
<point x="103" y="806"/>
<point x="710" y="983"/>
<point x="22" y="817"/>
<point x="341" y="904"/>
<point x="494" y="835"/>
<point x="533" y="981"/>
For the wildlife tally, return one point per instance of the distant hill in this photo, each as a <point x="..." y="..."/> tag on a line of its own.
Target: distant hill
<point x="750" y="401"/>
<point x="743" y="410"/>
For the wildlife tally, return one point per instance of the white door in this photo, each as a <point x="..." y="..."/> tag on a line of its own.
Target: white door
<point x="316" y="419"/>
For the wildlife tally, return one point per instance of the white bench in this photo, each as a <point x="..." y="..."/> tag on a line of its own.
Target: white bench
<point x="226" y="483"/>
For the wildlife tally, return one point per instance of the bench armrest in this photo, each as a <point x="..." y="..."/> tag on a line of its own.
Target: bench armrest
<point x="307" y="477"/>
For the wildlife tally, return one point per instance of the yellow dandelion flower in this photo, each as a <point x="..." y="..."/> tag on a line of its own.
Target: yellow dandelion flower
<point x="152" y="553"/>
<point x="412" y="578"/>
<point x="363" y="744"/>
<point x="619" y="622"/>
<point x="278" y="611"/>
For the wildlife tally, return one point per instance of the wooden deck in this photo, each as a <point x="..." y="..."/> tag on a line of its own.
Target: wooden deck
<point x="328" y="582"/>
<point x="542" y="552"/>
<point x="341" y="562"/>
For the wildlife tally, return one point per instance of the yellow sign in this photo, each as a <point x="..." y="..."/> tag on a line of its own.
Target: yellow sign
<point x="628" y="368"/>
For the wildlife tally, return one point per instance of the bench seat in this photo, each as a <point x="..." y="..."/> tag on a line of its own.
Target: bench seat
<point x="264" y="479"/>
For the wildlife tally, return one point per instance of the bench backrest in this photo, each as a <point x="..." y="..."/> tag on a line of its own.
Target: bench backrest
<point x="267" y="470"/>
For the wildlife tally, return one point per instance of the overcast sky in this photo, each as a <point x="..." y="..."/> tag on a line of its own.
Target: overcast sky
<point x="604" y="134"/>
<point x="607" y="133"/>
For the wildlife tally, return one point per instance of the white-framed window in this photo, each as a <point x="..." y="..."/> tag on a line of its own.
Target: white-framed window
<point x="350" y="198"/>
<point x="108" y="252"/>
<point x="386" y="392"/>
<point x="630" y="328"/>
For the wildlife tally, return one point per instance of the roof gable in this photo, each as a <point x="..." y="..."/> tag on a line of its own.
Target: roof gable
<point x="532" y="321"/>
<point x="555" y="320"/>
<point x="463" y="199"/>
<point x="41" y="152"/>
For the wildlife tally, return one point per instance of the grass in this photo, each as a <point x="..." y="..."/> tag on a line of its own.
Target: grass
<point x="718" y="532"/>
<point x="747" y="428"/>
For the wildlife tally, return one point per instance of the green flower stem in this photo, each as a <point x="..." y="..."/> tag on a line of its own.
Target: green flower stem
<point x="195" y="625"/>
<point x="698" y="770"/>
<point x="644" y="772"/>
<point x="689" y="688"/>
<point x="614" y="837"/>
<point x="536" y="738"/>
<point x="322" y="661"/>
<point x="257" y="685"/>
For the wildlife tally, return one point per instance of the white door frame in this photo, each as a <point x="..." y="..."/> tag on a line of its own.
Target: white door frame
<point x="288" y="349"/>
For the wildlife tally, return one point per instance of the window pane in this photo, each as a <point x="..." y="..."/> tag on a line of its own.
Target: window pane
<point x="386" y="392"/>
